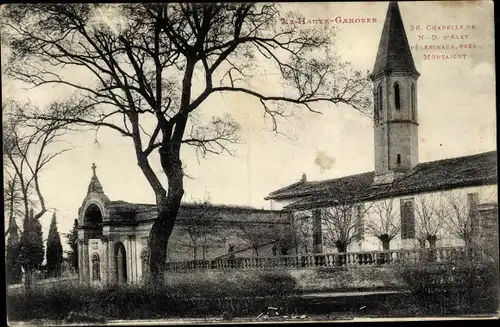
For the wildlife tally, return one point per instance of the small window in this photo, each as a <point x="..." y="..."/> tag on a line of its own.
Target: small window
<point x="398" y="159"/>
<point x="397" y="100"/>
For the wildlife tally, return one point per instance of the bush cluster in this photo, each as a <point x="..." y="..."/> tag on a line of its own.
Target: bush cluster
<point x="454" y="288"/>
<point x="239" y="293"/>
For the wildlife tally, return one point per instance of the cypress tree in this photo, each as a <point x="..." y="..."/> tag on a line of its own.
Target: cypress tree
<point x="31" y="247"/>
<point x="13" y="264"/>
<point x="54" y="252"/>
<point x="72" y="241"/>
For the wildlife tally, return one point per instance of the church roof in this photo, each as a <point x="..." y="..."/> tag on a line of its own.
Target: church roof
<point x="473" y="170"/>
<point x="394" y="54"/>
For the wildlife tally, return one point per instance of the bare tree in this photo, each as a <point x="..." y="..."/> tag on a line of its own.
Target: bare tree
<point x="430" y="212"/>
<point x="198" y="227"/>
<point x="28" y="148"/>
<point x="12" y="200"/>
<point x="257" y="236"/>
<point x="142" y="65"/>
<point x="460" y="215"/>
<point x="384" y="223"/>
<point x="343" y="224"/>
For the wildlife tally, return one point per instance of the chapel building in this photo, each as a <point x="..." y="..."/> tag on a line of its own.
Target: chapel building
<point x="113" y="235"/>
<point x="414" y="191"/>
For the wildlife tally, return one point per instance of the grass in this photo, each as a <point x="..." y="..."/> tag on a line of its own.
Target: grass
<point x="247" y="294"/>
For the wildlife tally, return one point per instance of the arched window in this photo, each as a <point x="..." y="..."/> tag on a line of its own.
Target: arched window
<point x="397" y="99"/>
<point x="145" y="262"/>
<point x="96" y="268"/>
<point x="398" y="159"/>
<point x="413" y="104"/>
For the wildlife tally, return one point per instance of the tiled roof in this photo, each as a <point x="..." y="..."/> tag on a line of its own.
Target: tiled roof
<point x="394" y="52"/>
<point x="473" y="170"/>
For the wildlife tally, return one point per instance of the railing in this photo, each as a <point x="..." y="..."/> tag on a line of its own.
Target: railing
<point x="350" y="259"/>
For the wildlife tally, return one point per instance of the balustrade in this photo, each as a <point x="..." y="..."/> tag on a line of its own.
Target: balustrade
<point x="332" y="260"/>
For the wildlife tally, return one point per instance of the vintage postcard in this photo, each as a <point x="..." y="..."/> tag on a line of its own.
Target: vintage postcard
<point x="176" y="163"/>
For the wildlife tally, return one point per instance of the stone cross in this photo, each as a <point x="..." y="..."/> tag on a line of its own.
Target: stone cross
<point x="94" y="167"/>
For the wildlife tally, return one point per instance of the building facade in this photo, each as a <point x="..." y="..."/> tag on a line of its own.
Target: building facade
<point x="402" y="203"/>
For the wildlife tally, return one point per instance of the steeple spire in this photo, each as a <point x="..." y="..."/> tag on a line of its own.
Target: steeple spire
<point x="394" y="54"/>
<point x="94" y="186"/>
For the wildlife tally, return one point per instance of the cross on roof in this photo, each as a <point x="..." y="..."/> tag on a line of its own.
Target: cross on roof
<point x="94" y="167"/>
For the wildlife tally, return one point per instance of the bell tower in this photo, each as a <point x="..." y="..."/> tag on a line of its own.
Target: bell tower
<point x="394" y="79"/>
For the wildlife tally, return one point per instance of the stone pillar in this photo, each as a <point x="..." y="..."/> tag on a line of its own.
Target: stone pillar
<point x="294" y="232"/>
<point x="80" y="260"/>
<point x="86" y="262"/>
<point x="134" y="259"/>
<point x="317" y="232"/>
<point x="105" y="260"/>
<point x="130" y="259"/>
<point x="111" y="263"/>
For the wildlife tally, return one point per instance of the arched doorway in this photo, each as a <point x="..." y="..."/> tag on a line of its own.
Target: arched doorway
<point x="120" y="263"/>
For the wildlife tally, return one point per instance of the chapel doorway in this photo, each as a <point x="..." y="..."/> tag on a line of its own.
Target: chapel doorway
<point x="121" y="263"/>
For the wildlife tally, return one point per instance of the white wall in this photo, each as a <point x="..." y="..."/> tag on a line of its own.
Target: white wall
<point x="371" y="243"/>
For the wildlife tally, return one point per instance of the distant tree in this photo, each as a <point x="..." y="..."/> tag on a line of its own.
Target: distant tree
<point x="303" y="231"/>
<point x="72" y="241"/>
<point x="430" y="213"/>
<point x="257" y="235"/>
<point x="342" y="225"/>
<point x="27" y="150"/>
<point x="12" y="260"/>
<point x="54" y="249"/>
<point x="198" y="228"/>
<point x="13" y="202"/>
<point x="384" y="223"/>
<point x="153" y="69"/>
<point x="31" y="247"/>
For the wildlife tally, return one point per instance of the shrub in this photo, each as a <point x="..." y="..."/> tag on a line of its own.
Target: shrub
<point x="201" y="294"/>
<point x="461" y="287"/>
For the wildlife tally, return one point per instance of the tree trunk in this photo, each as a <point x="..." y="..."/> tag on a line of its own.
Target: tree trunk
<point x="432" y="246"/>
<point x="386" y="242"/>
<point x="28" y="280"/>
<point x="195" y="250"/>
<point x="341" y="248"/>
<point x="432" y="241"/>
<point x="168" y="208"/>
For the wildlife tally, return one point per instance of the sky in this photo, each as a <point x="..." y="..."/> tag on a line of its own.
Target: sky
<point x="456" y="105"/>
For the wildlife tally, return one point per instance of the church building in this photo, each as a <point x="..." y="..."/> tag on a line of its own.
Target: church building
<point x="403" y="203"/>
